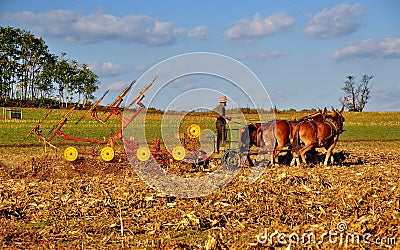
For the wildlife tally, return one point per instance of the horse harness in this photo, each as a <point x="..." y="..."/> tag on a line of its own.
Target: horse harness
<point x="332" y="125"/>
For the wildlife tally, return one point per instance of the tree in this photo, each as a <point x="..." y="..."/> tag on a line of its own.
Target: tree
<point x="29" y="71"/>
<point x="363" y="91"/>
<point x="356" y="96"/>
<point x="76" y="80"/>
<point x="8" y="61"/>
<point x="60" y="74"/>
<point x="24" y="57"/>
<point x="45" y="79"/>
<point x="87" y="84"/>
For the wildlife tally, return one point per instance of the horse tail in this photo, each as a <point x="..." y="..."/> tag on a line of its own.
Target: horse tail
<point x="296" y="138"/>
<point x="273" y="138"/>
<point x="260" y="136"/>
<point x="265" y="134"/>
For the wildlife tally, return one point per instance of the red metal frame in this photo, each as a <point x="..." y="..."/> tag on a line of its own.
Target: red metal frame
<point x="131" y="146"/>
<point x="117" y="135"/>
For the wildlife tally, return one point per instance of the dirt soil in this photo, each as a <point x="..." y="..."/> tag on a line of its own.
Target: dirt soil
<point x="46" y="202"/>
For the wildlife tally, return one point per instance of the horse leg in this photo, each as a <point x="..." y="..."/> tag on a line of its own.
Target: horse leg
<point x="329" y="153"/>
<point x="267" y="154"/>
<point x="279" y="145"/>
<point x="277" y="150"/>
<point x="276" y="153"/>
<point x="304" y="150"/>
<point x="303" y="158"/>
<point x="294" y="159"/>
<point x="272" y="158"/>
<point x="315" y="154"/>
<point x="298" y="161"/>
<point x="275" y="156"/>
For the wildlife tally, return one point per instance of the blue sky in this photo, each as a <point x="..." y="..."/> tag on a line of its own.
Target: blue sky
<point x="300" y="50"/>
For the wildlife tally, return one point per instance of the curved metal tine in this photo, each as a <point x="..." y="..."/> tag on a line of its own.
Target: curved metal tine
<point x="62" y="120"/>
<point x="120" y="97"/>
<point x="141" y="94"/>
<point x="93" y="107"/>
<point x="36" y="126"/>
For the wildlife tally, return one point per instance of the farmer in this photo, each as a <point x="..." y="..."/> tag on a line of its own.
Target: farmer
<point x="220" y="124"/>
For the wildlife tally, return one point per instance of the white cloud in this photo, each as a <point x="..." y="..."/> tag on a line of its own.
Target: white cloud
<point x="370" y="48"/>
<point x="107" y="69"/>
<point x="198" y="32"/>
<point x="118" y="85"/>
<point x="250" y="30"/>
<point x="263" y="55"/>
<point x="335" y="22"/>
<point x="98" y="26"/>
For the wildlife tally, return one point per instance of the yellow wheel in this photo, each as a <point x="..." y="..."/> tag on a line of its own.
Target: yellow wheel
<point x="143" y="153"/>
<point x="193" y="131"/>
<point x="71" y="154"/>
<point x="178" y="153"/>
<point x="107" y="153"/>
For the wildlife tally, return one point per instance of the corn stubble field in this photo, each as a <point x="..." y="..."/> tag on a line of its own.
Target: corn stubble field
<point x="46" y="202"/>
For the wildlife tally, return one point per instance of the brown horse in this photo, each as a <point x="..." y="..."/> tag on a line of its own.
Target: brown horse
<point x="275" y="136"/>
<point x="248" y="137"/>
<point x="311" y="134"/>
<point x="272" y="136"/>
<point x="279" y="134"/>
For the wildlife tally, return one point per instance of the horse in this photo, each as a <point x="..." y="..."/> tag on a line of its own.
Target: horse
<point x="311" y="134"/>
<point x="248" y="136"/>
<point x="279" y="134"/>
<point x="272" y="136"/>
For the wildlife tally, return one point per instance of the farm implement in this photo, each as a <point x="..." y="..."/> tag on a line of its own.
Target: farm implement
<point x="107" y="153"/>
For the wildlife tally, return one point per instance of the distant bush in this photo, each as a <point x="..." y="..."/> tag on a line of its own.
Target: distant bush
<point x="29" y="103"/>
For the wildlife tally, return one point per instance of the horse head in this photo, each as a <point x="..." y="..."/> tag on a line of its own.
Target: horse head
<point x="338" y="118"/>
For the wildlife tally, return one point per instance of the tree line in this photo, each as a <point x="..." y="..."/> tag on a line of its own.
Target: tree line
<point x="29" y="73"/>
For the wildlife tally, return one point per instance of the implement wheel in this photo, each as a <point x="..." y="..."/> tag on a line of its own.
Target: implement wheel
<point x="193" y="131"/>
<point x="231" y="159"/>
<point x="107" y="154"/>
<point x="143" y="153"/>
<point x="70" y="154"/>
<point x="178" y="153"/>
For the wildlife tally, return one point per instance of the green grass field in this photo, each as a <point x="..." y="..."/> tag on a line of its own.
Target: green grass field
<point x="366" y="126"/>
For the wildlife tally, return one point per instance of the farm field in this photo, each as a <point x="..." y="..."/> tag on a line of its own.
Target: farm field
<point x="46" y="202"/>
